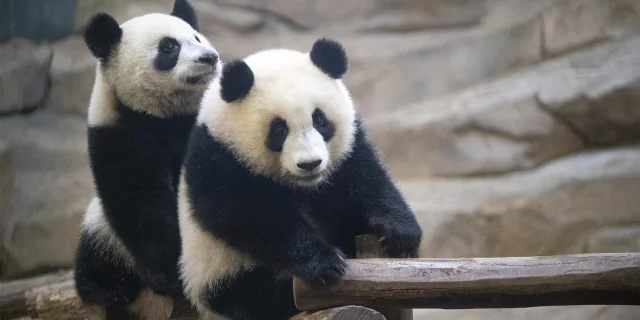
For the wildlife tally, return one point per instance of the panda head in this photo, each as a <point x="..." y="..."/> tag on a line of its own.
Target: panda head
<point x="285" y="114"/>
<point x="153" y="61"/>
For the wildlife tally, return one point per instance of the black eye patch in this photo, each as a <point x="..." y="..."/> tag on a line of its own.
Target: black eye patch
<point x="197" y="39"/>
<point x="168" y="53"/>
<point x="322" y="124"/>
<point x="278" y="131"/>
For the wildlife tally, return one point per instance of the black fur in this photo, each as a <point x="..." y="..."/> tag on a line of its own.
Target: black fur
<point x="102" y="33"/>
<point x="323" y="125"/>
<point x="360" y="198"/>
<point x="330" y="57"/>
<point x="136" y="166"/>
<point x="278" y="131"/>
<point x="183" y="10"/>
<point x="236" y="80"/>
<point x="168" y="54"/>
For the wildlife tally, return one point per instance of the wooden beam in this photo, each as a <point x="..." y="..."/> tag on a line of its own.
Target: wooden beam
<point x="515" y="282"/>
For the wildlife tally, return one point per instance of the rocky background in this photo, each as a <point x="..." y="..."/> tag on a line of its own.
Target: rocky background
<point x="512" y="126"/>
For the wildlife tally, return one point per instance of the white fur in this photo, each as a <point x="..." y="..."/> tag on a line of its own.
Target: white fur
<point x="204" y="258"/>
<point x="131" y="76"/>
<point x="286" y="84"/>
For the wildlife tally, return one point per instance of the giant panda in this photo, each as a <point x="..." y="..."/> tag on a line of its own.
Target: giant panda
<point x="278" y="179"/>
<point x="151" y="73"/>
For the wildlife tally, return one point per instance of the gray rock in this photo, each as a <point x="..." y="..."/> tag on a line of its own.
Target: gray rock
<point x="72" y="76"/>
<point x="569" y="24"/>
<point x="24" y="68"/>
<point x="519" y="121"/>
<point x="559" y="208"/>
<point x="52" y="187"/>
<point x="396" y="15"/>
<point x="547" y="313"/>
<point x="615" y="239"/>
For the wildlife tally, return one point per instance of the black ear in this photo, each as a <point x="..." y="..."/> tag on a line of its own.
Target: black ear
<point x="330" y="57"/>
<point x="183" y="10"/>
<point x="101" y="34"/>
<point x="236" y="80"/>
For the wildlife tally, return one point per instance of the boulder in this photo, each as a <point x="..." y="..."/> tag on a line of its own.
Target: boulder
<point x="547" y="313"/>
<point x="518" y="121"/>
<point x="570" y="24"/>
<point x="121" y="10"/>
<point x="72" y="75"/>
<point x="6" y="182"/>
<point x="387" y="71"/>
<point x="24" y="68"/>
<point x="52" y="187"/>
<point x="390" y="15"/>
<point x="566" y="206"/>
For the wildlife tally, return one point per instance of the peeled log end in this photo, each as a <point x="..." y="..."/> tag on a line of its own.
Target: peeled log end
<point x="341" y="313"/>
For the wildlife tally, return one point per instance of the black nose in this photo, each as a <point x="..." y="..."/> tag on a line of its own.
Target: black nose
<point x="209" y="58"/>
<point x="309" y="165"/>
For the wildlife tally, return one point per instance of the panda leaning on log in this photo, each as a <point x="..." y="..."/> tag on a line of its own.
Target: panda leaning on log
<point x="151" y="74"/>
<point x="278" y="179"/>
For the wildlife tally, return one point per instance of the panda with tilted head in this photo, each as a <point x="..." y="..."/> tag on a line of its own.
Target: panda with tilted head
<point x="278" y="179"/>
<point x="151" y="74"/>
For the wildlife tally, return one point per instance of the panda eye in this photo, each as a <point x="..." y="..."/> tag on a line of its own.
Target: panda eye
<point x="168" y="45"/>
<point x="280" y="130"/>
<point x="319" y="119"/>
<point x="197" y="39"/>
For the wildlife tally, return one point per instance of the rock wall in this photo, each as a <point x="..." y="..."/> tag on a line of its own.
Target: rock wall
<point x="512" y="126"/>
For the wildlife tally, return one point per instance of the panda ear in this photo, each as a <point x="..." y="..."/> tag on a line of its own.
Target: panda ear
<point x="330" y="57"/>
<point x="236" y="80"/>
<point x="102" y="33"/>
<point x="183" y="10"/>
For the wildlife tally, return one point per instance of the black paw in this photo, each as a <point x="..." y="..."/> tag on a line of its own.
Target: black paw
<point x="399" y="240"/>
<point x="324" y="269"/>
<point x="164" y="283"/>
<point x="116" y="295"/>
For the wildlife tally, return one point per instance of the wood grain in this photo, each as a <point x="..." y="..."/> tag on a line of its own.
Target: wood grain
<point x="513" y="282"/>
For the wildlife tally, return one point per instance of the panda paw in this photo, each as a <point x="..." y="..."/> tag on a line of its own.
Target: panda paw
<point x="324" y="269"/>
<point x="399" y="241"/>
<point x="162" y="283"/>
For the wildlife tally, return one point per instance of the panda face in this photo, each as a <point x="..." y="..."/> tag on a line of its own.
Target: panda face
<point x="283" y="115"/>
<point x="162" y="50"/>
<point x="156" y="63"/>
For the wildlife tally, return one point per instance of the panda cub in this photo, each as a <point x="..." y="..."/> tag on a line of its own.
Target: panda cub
<point x="278" y="179"/>
<point x="151" y="74"/>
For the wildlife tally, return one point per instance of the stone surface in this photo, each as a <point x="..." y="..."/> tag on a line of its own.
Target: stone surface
<point x="121" y="10"/>
<point x="396" y="15"/>
<point x="546" y="313"/>
<point x="558" y="208"/>
<point x="388" y="71"/>
<point x="518" y="121"/>
<point x="615" y="239"/>
<point x="23" y="75"/>
<point x="37" y="20"/>
<point x="51" y="190"/>
<point x="6" y="184"/>
<point x="571" y="24"/>
<point x="72" y="75"/>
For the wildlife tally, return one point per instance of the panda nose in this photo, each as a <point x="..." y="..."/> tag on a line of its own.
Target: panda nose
<point x="309" y="165"/>
<point x="209" y="58"/>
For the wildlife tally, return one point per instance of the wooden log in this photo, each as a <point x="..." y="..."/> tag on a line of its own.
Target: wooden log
<point x="341" y="313"/>
<point x="54" y="297"/>
<point x="515" y="282"/>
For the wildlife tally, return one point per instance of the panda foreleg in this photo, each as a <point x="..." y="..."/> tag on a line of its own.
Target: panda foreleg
<point x="139" y="203"/>
<point x="384" y="208"/>
<point x="281" y="239"/>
